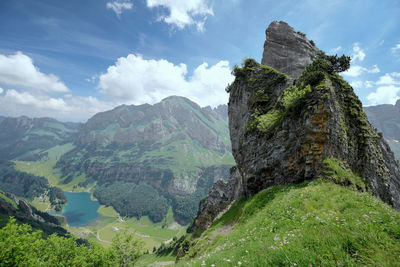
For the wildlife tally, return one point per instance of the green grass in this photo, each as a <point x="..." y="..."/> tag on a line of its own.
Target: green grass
<point x="318" y="223"/>
<point x="338" y="173"/>
<point x="45" y="168"/>
<point x="107" y="211"/>
<point x="8" y="200"/>
<point x="154" y="260"/>
<point x="42" y="204"/>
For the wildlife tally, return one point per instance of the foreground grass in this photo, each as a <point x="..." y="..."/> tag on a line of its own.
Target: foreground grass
<point x="317" y="223"/>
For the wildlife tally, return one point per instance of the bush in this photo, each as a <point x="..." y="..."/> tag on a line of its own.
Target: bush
<point x="268" y="121"/>
<point x="292" y="96"/>
<point x="19" y="246"/>
<point x="313" y="78"/>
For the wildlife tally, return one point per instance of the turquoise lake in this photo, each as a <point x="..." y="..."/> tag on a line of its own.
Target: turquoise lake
<point x="80" y="209"/>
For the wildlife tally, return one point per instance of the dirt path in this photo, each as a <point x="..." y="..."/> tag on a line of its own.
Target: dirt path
<point x="164" y="263"/>
<point x="101" y="240"/>
<point x="222" y="230"/>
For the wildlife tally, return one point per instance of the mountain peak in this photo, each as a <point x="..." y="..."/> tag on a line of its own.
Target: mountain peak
<point x="287" y="50"/>
<point x="286" y="131"/>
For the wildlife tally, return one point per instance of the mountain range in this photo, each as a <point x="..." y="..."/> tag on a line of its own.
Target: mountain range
<point x="175" y="147"/>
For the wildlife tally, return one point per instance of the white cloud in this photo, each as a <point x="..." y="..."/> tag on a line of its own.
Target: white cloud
<point x="357" y="84"/>
<point x="134" y="80"/>
<point x="389" y="79"/>
<point x="358" y="53"/>
<point x="387" y="94"/>
<point x="356" y="70"/>
<point x="1" y="90"/>
<point x="369" y="84"/>
<point x="396" y="48"/>
<point x="184" y="12"/>
<point x="362" y="84"/>
<point x="19" y="70"/>
<point x="335" y="50"/>
<point x="15" y="103"/>
<point x="388" y="91"/>
<point x="119" y="6"/>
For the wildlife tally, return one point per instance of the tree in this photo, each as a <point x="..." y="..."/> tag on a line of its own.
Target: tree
<point x="339" y="64"/>
<point x="127" y="248"/>
<point x="19" y="246"/>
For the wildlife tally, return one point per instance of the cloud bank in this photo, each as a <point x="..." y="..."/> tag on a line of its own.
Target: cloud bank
<point x="35" y="92"/>
<point x="387" y="91"/>
<point x="19" y="70"/>
<point x="135" y="80"/>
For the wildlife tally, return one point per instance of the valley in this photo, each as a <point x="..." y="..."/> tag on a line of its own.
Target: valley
<point x="149" y="166"/>
<point x="102" y="228"/>
<point x="279" y="162"/>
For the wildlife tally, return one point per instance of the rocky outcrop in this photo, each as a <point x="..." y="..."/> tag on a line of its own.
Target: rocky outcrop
<point x="286" y="130"/>
<point x="221" y="195"/>
<point x="282" y="134"/>
<point x="286" y="50"/>
<point x="25" y="208"/>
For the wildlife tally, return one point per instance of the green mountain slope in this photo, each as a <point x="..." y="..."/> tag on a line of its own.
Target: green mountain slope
<point x="23" y="213"/>
<point x="174" y="146"/>
<point x="27" y="139"/>
<point x="386" y="118"/>
<point x="317" y="223"/>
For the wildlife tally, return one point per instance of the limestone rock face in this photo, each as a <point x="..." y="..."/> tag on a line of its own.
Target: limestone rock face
<point x="327" y="123"/>
<point x="286" y="130"/>
<point x="221" y="195"/>
<point x="286" y="50"/>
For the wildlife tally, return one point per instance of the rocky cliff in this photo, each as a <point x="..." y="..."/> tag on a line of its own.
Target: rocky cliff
<point x="286" y="50"/>
<point x="298" y="120"/>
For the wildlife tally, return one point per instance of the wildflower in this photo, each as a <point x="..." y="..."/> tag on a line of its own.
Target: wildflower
<point x="239" y="263"/>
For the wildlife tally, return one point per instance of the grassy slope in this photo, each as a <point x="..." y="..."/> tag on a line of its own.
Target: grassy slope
<point x="318" y="223"/>
<point x="46" y="169"/>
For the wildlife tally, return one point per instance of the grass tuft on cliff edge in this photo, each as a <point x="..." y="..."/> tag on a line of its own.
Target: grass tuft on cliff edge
<point x="318" y="223"/>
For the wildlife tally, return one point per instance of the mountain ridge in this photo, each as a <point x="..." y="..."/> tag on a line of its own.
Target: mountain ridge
<point x="174" y="146"/>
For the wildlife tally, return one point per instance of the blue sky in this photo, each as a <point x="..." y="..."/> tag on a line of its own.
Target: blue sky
<point x="72" y="59"/>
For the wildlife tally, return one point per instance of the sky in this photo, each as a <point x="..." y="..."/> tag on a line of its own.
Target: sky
<point x="72" y="59"/>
